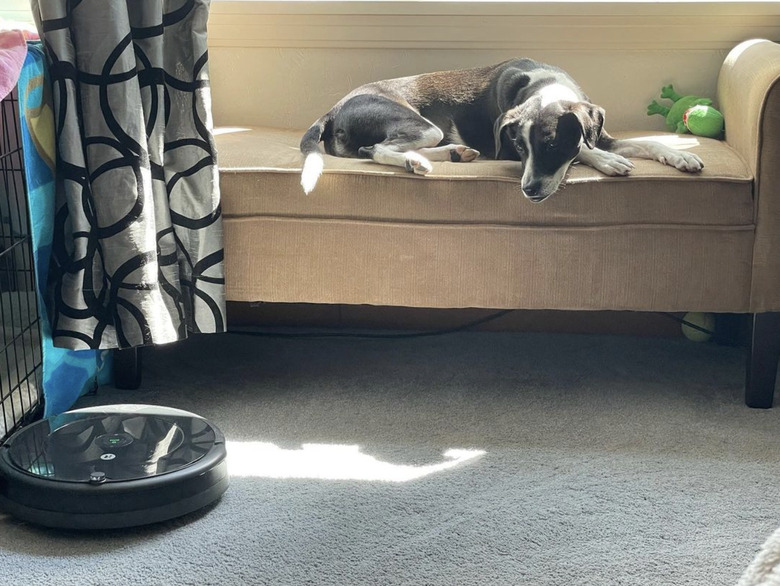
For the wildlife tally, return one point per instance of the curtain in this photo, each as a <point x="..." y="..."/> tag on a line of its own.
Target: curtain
<point x="137" y="253"/>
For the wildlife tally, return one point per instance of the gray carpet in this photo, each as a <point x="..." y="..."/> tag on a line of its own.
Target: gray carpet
<point x="589" y="460"/>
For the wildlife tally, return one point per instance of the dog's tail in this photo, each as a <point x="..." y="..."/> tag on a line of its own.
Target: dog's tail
<point x="313" y="162"/>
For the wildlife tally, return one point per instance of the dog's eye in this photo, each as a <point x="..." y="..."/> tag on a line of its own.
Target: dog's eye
<point x="552" y="145"/>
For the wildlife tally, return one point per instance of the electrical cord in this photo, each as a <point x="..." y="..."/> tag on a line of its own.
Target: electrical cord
<point x="685" y="322"/>
<point x="441" y="332"/>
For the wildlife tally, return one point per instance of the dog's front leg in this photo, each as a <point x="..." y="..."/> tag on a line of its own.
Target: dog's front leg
<point x="648" y="149"/>
<point x="608" y="163"/>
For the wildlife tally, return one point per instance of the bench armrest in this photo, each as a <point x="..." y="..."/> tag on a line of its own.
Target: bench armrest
<point x="749" y="98"/>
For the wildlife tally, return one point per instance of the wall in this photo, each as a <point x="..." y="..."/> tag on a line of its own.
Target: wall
<point x="16" y="10"/>
<point x="283" y="64"/>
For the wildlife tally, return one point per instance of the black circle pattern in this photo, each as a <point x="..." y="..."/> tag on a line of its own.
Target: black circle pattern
<point x="137" y="254"/>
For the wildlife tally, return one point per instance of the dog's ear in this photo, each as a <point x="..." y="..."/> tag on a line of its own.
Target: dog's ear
<point x="498" y="128"/>
<point x="509" y="88"/>
<point x="590" y="119"/>
<point x="503" y="121"/>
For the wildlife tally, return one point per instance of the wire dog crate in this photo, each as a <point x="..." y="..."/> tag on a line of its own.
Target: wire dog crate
<point x="21" y="359"/>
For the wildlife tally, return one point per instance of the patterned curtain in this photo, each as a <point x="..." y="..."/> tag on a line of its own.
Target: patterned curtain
<point x="137" y="245"/>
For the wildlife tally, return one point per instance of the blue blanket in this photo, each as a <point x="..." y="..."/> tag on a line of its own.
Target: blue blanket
<point x="67" y="374"/>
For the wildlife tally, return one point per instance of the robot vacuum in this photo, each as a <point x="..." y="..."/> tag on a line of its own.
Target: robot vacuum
<point x="112" y="466"/>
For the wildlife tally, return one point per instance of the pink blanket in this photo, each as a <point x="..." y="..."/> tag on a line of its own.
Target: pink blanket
<point x="13" y="50"/>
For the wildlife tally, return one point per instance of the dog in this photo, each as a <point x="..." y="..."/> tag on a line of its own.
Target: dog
<point x="519" y="110"/>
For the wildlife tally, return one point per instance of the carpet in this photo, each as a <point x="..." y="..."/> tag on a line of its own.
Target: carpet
<point x="468" y="459"/>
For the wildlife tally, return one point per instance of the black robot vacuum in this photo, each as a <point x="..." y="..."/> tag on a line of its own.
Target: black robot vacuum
<point x="112" y="466"/>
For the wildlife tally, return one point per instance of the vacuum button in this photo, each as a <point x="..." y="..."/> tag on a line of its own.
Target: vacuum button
<point x="97" y="477"/>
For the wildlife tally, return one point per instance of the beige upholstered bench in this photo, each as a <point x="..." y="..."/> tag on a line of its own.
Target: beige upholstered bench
<point x="464" y="236"/>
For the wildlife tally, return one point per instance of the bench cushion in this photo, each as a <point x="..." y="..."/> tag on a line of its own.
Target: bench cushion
<point x="260" y="175"/>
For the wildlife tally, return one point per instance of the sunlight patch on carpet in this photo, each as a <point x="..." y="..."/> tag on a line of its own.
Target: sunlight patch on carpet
<point x="330" y="462"/>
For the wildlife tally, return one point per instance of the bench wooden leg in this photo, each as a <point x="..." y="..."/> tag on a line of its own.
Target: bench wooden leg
<point x="127" y="368"/>
<point x="762" y="358"/>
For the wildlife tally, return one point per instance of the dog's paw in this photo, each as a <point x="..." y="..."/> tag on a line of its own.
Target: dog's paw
<point x="610" y="164"/>
<point x="617" y="166"/>
<point x="684" y="161"/>
<point x="417" y="164"/>
<point x="463" y="154"/>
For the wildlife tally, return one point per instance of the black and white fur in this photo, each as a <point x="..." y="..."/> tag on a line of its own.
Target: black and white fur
<point x="518" y="110"/>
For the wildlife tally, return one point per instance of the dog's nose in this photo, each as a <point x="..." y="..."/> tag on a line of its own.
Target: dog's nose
<point x="533" y="191"/>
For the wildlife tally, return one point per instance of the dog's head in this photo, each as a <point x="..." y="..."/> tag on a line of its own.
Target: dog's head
<point x="546" y="139"/>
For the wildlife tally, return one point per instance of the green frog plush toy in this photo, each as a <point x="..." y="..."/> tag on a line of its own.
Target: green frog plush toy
<point x="688" y="114"/>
